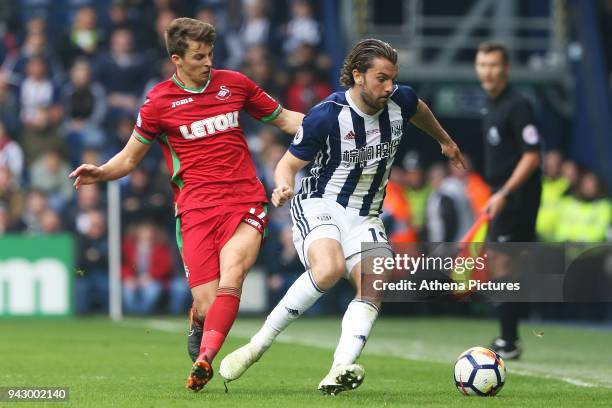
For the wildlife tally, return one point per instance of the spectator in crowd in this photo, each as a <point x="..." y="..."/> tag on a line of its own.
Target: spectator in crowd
<point x="302" y="28"/>
<point x="36" y="203"/>
<point x="121" y="70"/>
<point x="91" y="285"/>
<point x="12" y="199"/>
<point x="49" y="174"/>
<point x="396" y="214"/>
<point x="88" y="199"/>
<point x="222" y="55"/>
<point x="11" y="155"/>
<point x="584" y="216"/>
<point x="83" y="98"/>
<point x="306" y="89"/>
<point x="35" y="46"/>
<point x="147" y="265"/>
<point x="155" y="44"/>
<point x="141" y="200"/>
<point x="40" y="111"/>
<point x="9" y="107"/>
<point x="83" y="38"/>
<point x="416" y="189"/>
<point x="571" y="172"/>
<point x="554" y="187"/>
<point x="259" y="65"/>
<point x="50" y="222"/>
<point x="256" y="26"/>
<point x="477" y="190"/>
<point x="84" y="101"/>
<point x="449" y="211"/>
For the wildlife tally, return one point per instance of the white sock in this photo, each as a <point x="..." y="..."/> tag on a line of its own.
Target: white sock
<point x="356" y="326"/>
<point x="300" y="296"/>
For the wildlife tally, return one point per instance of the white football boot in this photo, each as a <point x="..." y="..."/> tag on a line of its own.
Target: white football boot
<point x="239" y="360"/>
<point x="342" y="378"/>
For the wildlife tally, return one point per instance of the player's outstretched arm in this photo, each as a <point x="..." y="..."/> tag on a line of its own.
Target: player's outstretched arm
<point x="288" y="121"/>
<point x="118" y="166"/>
<point x="425" y="120"/>
<point x="284" y="178"/>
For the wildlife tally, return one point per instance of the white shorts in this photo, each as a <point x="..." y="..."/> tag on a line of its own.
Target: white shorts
<point x="316" y="218"/>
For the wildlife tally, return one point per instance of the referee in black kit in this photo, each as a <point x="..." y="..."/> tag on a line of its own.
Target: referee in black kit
<point x="512" y="169"/>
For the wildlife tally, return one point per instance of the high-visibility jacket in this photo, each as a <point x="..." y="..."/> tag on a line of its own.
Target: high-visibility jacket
<point x="583" y="221"/>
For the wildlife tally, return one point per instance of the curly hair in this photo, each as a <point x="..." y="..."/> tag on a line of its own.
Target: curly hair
<point x="361" y="57"/>
<point x="184" y="28"/>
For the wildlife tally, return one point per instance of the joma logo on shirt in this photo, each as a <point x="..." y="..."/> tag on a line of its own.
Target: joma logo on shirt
<point x="181" y="102"/>
<point x="210" y="126"/>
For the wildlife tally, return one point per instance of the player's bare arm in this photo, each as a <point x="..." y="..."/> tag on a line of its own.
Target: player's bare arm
<point x="118" y="166"/>
<point x="288" y="121"/>
<point x="528" y="163"/>
<point x="284" y="178"/>
<point x="425" y="120"/>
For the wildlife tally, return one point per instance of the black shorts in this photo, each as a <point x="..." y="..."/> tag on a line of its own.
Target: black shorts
<point x="517" y="221"/>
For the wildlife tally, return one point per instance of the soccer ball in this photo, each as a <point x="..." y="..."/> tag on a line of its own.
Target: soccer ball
<point x="479" y="371"/>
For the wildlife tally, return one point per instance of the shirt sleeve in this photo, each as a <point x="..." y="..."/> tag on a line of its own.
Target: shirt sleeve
<point x="259" y="104"/>
<point x="147" y="127"/>
<point x="311" y="136"/>
<point x="523" y="126"/>
<point x="407" y="99"/>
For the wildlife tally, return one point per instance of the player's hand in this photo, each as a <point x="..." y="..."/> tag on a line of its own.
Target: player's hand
<point x="86" y="174"/>
<point x="496" y="204"/>
<point x="451" y="150"/>
<point x="281" y="194"/>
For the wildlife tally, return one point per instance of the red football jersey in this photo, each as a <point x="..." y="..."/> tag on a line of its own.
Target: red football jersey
<point x="203" y="144"/>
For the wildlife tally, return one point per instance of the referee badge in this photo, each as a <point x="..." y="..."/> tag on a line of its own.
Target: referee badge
<point x="493" y="136"/>
<point x="530" y="135"/>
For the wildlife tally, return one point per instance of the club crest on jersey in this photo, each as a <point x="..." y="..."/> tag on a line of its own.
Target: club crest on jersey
<point x="181" y="102"/>
<point x="210" y="126"/>
<point x="223" y="93"/>
<point x="396" y="129"/>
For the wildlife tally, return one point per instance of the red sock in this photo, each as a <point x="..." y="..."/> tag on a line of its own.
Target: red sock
<point x="218" y="322"/>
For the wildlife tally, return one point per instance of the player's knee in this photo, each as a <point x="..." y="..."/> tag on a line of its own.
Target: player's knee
<point x="327" y="270"/>
<point x="202" y="304"/>
<point x="233" y="275"/>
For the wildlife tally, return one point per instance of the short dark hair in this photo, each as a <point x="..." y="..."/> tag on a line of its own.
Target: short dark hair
<point x="494" y="46"/>
<point x="182" y="29"/>
<point x="361" y="57"/>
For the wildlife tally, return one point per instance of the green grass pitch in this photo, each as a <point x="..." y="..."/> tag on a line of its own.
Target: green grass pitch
<point x="408" y="362"/>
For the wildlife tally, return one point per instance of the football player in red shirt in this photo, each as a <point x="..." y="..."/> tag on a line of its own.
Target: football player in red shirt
<point x="219" y="202"/>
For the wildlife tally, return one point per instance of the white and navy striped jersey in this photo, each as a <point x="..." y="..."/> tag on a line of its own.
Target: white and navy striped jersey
<point x="352" y="151"/>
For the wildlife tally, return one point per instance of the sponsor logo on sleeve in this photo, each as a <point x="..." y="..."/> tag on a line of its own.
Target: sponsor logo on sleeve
<point x="299" y="135"/>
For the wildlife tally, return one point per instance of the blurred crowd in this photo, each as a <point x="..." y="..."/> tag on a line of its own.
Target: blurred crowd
<point x="70" y="89"/>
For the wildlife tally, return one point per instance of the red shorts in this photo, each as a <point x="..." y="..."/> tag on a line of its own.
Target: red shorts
<point x="205" y="231"/>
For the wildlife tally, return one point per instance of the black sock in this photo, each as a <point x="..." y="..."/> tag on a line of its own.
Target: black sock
<point x="509" y="314"/>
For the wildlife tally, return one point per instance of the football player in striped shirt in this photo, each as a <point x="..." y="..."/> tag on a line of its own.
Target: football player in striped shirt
<point x="352" y="138"/>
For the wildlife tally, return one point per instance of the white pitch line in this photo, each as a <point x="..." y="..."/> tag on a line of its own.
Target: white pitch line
<point x="384" y="350"/>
